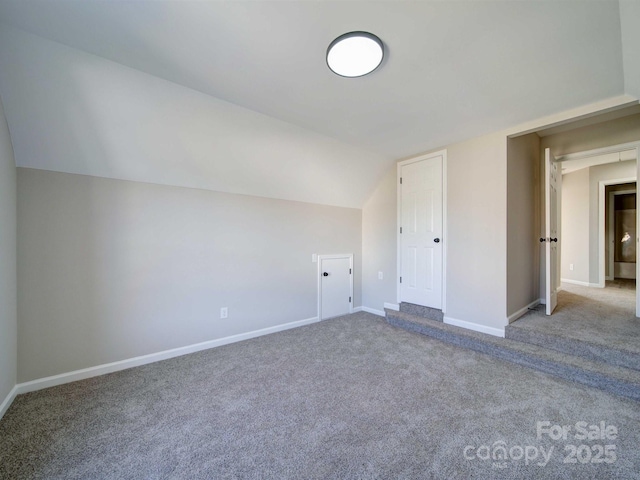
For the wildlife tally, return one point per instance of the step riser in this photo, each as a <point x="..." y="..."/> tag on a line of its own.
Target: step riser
<point x="424" y="312"/>
<point x="568" y="372"/>
<point x="575" y="347"/>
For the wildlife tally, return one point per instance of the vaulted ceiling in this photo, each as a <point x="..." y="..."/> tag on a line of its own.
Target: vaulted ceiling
<point x="452" y="70"/>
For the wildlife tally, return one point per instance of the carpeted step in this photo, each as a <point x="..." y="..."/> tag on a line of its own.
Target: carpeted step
<point x="614" y="379"/>
<point x="419" y="310"/>
<point x="591" y="351"/>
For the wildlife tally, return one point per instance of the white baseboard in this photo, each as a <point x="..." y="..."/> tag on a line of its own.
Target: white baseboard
<point x="153" y="357"/>
<point x="372" y="310"/>
<point x="496" y="332"/>
<point x="575" y="282"/>
<point x="392" y="306"/>
<point x="8" y="401"/>
<point x="514" y="316"/>
<point x="578" y="282"/>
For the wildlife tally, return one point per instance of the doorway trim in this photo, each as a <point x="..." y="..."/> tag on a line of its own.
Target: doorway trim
<point x="319" y="275"/>
<point x="610" y="260"/>
<point x="445" y="237"/>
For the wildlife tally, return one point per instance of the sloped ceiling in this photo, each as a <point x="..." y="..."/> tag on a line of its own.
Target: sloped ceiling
<point x="453" y="70"/>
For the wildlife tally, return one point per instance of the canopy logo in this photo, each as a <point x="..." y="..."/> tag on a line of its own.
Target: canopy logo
<point x="499" y="453"/>
<point x="594" y="445"/>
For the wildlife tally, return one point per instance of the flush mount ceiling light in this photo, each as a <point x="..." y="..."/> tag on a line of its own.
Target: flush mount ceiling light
<point x="355" y="54"/>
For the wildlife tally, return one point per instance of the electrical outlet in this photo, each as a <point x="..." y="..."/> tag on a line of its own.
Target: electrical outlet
<point x="224" y="313"/>
<point x="571" y="267"/>
<point x="380" y="276"/>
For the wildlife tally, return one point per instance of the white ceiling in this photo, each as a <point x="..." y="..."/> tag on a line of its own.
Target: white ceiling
<point x="452" y="70"/>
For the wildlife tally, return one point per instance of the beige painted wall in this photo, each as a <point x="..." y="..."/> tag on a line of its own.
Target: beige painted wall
<point x="8" y="293"/>
<point x="477" y="231"/>
<point x="575" y="226"/>
<point x="111" y="269"/>
<point x="523" y="247"/>
<point x="379" y="240"/>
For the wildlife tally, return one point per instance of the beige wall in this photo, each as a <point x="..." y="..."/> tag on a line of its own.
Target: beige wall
<point x="111" y="269"/>
<point x="523" y="247"/>
<point x="575" y="226"/>
<point x="8" y="293"/>
<point x="379" y="240"/>
<point x="477" y="231"/>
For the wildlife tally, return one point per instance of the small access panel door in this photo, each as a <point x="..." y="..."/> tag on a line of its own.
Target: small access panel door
<point x="336" y="287"/>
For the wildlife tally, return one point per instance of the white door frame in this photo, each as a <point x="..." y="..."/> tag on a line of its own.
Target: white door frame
<point x="328" y="257"/>
<point x="610" y="228"/>
<point x="445" y="237"/>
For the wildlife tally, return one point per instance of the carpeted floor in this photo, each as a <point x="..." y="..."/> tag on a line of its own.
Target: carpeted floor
<point x="351" y="397"/>
<point x="596" y="315"/>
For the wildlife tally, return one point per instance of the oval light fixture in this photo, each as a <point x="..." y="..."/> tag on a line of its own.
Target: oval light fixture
<point x="355" y="54"/>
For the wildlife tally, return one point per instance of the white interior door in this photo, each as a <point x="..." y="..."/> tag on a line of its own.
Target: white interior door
<point x="421" y="245"/>
<point x="335" y="285"/>
<point x="552" y="181"/>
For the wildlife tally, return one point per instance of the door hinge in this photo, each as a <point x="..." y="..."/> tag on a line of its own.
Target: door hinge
<point x="349" y="299"/>
<point x="400" y="279"/>
<point x="400" y="180"/>
<point x="349" y="271"/>
<point x="400" y="229"/>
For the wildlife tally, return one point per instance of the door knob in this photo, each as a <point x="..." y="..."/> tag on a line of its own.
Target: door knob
<point x="325" y="274"/>
<point x="437" y="240"/>
<point x="542" y="239"/>
<point x="554" y="239"/>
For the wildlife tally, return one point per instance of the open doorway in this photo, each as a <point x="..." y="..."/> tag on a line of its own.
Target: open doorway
<point x="620" y="234"/>
<point x="591" y="312"/>
<point x="588" y="162"/>
<point x="598" y="215"/>
<point x="579" y="147"/>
